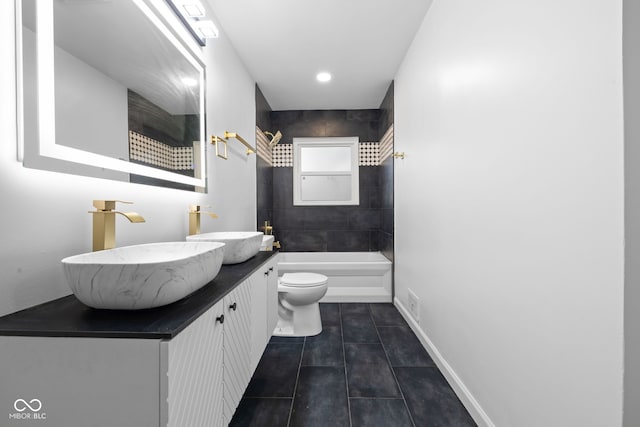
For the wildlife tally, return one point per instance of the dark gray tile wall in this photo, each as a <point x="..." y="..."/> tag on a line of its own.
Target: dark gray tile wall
<point x="327" y="228"/>
<point x="367" y="227"/>
<point x="385" y="237"/>
<point x="264" y="196"/>
<point x="310" y="123"/>
<point x="263" y="112"/>
<point x="386" y="110"/>
<point x="264" y="172"/>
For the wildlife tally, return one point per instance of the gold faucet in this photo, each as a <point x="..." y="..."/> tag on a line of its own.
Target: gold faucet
<point x="268" y="229"/>
<point x="104" y="223"/>
<point x="194" y="218"/>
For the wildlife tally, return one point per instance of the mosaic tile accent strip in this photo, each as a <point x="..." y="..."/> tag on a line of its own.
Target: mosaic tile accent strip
<point x="283" y="156"/>
<point x="264" y="151"/>
<point x="369" y="155"/>
<point x="153" y="152"/>
<point x="386" y="145"/>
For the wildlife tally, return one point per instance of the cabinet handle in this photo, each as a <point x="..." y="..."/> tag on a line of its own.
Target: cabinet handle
<point x="266" y="273"/>
<point x="270" y="268"/>
<point x="220" y="319"/>
<point x="233" y="306"/>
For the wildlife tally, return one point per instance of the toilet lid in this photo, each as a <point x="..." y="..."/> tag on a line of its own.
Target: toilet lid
<point x="303" y="279"/>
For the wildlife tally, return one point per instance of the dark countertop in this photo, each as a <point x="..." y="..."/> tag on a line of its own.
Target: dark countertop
<point x="68" y="317"/>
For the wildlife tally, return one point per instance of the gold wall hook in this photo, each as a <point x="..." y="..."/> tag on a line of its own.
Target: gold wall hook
<point x="250" y="149"/>
<point x="398" y="155"/>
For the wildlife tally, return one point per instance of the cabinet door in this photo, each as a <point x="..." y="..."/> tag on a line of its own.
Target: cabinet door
<point x="237" y="346"/>
<point x="258" y="283"/>
<point x="264" y="308"/>
<point x="272" y="295"/>
<point x="194" y="368"/>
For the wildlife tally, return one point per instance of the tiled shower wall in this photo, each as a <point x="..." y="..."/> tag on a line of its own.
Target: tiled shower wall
<point x="385" y="170"/>
<point x="366" y="227"/>
<point x="264" y="172"/>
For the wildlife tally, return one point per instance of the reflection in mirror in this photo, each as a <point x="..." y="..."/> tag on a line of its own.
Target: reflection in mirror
<point x="127" y="97"/>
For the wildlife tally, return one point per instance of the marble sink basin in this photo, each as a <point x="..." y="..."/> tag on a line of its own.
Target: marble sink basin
<point x="239" y="245"/>
<point x="142" y="276"/>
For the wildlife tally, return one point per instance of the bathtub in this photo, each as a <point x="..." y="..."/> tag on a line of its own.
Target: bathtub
<point x="353" y="276"/>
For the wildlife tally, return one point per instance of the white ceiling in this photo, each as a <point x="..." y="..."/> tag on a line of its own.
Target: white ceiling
<point x="116" y="38"/>
<point x="285" y="43"/>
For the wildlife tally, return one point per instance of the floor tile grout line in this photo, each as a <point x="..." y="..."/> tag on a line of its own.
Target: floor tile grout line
<point x="431" y="365"/>
<point x="375" y="398"/>
<point x="393" y="372"/>
<point x="344" y="361"/>
<point x="267" y="397"/>
<point x="295" y="386"/>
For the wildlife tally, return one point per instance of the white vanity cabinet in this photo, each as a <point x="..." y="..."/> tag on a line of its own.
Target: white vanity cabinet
<point x="238" y="307"/>
<point x="196" y="378"/>
<point x="249" y="316"/>
<point x="264" y="293"/>
<point x="272" y="295"/>
<point x="192" y="389"/>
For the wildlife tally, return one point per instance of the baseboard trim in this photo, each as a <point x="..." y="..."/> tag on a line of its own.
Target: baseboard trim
<point x="463" y="393"/>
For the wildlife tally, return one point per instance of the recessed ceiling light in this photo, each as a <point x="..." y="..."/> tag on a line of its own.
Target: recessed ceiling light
<point x="323" y="77"/>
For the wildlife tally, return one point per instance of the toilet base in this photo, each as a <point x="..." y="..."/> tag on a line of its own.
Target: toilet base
<point x="302" y="321"/>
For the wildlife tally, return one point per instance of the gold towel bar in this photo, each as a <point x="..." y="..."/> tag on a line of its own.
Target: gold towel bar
<point x="250" y="149"/>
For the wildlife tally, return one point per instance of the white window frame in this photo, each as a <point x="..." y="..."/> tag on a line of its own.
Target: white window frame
<point x="298" y="175"/>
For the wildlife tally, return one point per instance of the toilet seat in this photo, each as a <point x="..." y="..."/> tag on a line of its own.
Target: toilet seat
<point x="303" y="280"/>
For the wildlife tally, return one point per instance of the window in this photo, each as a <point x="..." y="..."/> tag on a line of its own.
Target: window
<point x="325" y="171"/>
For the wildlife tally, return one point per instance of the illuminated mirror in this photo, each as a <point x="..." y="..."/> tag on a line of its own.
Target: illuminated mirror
<point x="110" y="90"/>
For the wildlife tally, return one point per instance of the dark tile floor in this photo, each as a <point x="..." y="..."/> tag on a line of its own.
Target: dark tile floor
<point x="366" y="368"/>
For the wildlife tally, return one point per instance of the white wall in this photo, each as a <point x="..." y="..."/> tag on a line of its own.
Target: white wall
<point x="631" y="54"/>
<point x="88" y="100"/>
<point x="44" y="214"/>
<point x="510" y="114"/>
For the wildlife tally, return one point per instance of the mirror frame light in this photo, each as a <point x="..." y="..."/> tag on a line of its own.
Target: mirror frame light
<point x="46" y="97"/>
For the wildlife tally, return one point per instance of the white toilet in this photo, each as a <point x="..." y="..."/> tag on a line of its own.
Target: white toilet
<point x="298" y="310"/>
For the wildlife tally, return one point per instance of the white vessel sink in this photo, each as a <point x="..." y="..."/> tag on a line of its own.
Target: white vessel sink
<point x="239" y="245"/>
<point x="142" y="276"/>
